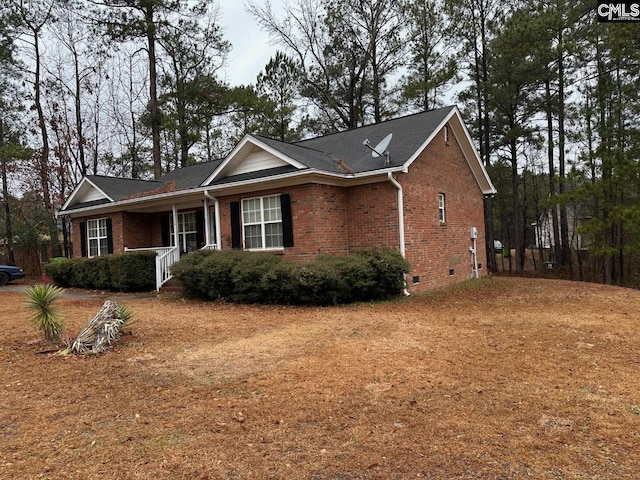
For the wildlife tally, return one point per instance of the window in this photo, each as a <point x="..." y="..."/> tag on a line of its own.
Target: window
<point x="441" y="216"/>
<point x="97" y="238"/>
<point x="262" y="222"/>
<point x="187" y="231"/>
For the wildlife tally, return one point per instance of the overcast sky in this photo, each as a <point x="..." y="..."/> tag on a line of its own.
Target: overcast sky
<point x="251" y="49"/>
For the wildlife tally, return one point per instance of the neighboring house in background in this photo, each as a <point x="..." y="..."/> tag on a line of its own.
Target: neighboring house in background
<point x="541" y="233"/>
<point x="333" y="194"/>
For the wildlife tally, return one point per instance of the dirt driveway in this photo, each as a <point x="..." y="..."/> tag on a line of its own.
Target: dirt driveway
<point x="505" y="378"/>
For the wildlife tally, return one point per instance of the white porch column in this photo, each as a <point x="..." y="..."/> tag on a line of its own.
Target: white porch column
<point x="207" y="221"/>
<point x="216" y="212"/>
<point x="176" y="227"/>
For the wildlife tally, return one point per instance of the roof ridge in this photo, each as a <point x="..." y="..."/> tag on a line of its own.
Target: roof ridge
<point x="402" y="117"/>
<point x="113" y="177"/>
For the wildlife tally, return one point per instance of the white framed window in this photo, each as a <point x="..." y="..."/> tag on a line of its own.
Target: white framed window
<point x="97" y="239"/>
<point x="187" y="231"/>
<point x="441" y="213"/>
<point x="262" y="222"/>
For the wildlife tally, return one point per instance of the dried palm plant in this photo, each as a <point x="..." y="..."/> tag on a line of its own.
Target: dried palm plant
<point x="103" y="330"/>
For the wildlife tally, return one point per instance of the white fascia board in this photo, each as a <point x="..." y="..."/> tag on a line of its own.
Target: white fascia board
<point x="468" y="149"/>
<point x="287" y="179"/>
<point x="84" y="182"/>
<point x="254" y="141"/>
<point x="122" y="204"/>
<point x="475" y="163"/>
<point x="307" y="175"/>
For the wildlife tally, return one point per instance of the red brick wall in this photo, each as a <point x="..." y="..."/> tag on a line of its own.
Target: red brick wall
<point x="318" y="217"/>
<point x="373" y="216"/>
<point x="132" y="230"/>
<point x="432" y="248"/>
<point x="140" y="230"/>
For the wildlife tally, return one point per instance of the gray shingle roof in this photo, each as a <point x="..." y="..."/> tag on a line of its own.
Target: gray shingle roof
<point x="121" y="188"/>
<point x="183" y="179"/>
<point x="191" y="176"/>
<point x="339" y="153"/>
<point x="409" y="133"/>
<point x="344" y="152"/>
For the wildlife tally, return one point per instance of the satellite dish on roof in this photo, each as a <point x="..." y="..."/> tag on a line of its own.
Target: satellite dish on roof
<point x="381" y="148"/>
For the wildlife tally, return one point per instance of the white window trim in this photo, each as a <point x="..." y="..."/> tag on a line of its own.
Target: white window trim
<point x="442" y="218"/>
<point x="97" y="238"/>
<point x="262" y="224"/>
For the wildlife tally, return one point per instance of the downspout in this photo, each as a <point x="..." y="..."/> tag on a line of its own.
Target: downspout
<point x="216" y="210"/>
<point x="398" y="187"/>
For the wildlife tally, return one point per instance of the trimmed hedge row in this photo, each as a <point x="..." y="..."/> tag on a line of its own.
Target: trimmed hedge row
<point x="120" y="272"/>
<point x="251" y="277"/>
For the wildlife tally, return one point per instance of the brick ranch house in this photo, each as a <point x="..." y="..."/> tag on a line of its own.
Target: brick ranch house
<point x="417" y="185"/>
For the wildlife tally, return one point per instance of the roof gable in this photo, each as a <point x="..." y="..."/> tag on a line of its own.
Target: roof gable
<point x="86" y="192"/>
<point x="251" y="155"/>
<point x="98" y="189"/>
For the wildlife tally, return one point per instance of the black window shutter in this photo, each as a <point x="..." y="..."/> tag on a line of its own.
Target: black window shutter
<point x="236" y="237"/>
<point x="287" y="223"/>
<point x="109" y="235"/>
<point x="83" y="239"/>
<point x="199" y="228"/>
<point x="164" y="225"/>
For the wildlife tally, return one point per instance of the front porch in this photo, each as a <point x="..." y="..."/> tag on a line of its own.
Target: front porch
<point x="197" y="228"/>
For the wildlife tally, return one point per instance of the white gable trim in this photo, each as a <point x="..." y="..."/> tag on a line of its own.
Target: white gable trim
<point x="462" y="136"/>
<point x="234" y="163"/>
<point x="86" y="188"/>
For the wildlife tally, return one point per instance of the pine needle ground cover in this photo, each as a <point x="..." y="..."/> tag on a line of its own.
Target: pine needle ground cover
<point x="504" y="378"/>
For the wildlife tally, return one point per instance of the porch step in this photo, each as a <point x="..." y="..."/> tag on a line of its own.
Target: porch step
<point x="171" y="287"/>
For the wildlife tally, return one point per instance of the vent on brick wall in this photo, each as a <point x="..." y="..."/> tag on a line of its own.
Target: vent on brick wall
<point x="451" y="272"/>
<point x="416" y="279"/>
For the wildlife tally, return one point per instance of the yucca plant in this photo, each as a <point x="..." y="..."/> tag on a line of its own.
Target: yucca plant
<point x="46" y="316"/>
<point x="125" y="315"/>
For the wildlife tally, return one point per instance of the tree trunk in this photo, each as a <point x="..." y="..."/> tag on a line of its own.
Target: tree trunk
<point x="154" y="112"/>
<point x="552" y="175"/>
<point x="564" y="221"/>
<point x="8" y="230"/>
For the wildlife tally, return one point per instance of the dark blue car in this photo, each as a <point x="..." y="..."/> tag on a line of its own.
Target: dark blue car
<point x="9" y="273"/>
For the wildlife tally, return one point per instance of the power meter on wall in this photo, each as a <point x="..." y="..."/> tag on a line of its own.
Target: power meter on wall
<point x="474" y="233"/>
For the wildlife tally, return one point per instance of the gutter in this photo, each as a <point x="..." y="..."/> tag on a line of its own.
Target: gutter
<point x="339" y="178"/>
<point x="398" y="187"/>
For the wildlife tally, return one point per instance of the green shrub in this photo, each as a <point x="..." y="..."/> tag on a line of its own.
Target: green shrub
<point x="133" y="272"/>
<point x="319" y="283"/>
<point x="124" y="272"/>
<point x="101" y="276"/>
<point x="81" y="272"/>
<point x="257" y="277"/>
<point x="389" y="270"/>
<point x="252" y="280"/>
<point x="61" y="273"/>
<point x="206" y="274"/>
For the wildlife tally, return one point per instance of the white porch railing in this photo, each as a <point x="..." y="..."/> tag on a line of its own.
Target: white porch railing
<point x="166" y="256"/>
<point x="210" y="246"/>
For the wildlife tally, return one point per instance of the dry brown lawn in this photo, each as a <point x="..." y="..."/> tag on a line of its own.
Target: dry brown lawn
<point x="504" y="378"/>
